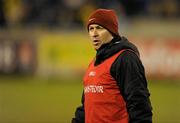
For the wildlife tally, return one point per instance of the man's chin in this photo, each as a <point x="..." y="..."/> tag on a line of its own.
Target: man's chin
<point x="96" y="47"/>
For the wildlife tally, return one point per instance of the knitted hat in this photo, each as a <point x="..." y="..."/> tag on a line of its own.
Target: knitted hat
<point x="106" y="18"/>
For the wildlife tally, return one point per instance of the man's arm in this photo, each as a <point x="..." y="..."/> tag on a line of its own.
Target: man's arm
<point x="79" y="113"/>
<point x="130" y="76"/>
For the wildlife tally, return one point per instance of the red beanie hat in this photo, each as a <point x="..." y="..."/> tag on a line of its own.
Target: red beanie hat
<point x="106" y="18"/>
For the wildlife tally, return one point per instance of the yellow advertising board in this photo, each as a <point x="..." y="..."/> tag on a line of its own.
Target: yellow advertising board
<point x="63" y="51"/>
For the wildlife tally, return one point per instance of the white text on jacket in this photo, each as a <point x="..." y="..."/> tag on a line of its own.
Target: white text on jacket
<point x="93" y="89"/>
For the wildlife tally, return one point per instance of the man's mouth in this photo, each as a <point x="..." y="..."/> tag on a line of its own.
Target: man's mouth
<point x="96" y="42"/>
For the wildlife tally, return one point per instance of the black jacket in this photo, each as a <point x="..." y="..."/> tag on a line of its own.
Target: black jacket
<point x="129" y="73"/>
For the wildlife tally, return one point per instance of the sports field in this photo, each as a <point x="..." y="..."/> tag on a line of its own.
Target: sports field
<point x="35" y="100"/>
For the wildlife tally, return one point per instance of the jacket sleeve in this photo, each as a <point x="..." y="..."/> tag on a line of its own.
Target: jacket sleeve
<point x="129" y="73"/>
<point x="79" y="113"/>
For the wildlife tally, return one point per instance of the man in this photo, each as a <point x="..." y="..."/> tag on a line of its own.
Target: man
<point x="115" y="86"/>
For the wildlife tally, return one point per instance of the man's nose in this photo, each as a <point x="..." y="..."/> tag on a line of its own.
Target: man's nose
<point x="95" y="34"/>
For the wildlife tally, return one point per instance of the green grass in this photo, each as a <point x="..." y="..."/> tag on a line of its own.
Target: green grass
<point x="25" y="100"/>
<point x="165" y="97"/>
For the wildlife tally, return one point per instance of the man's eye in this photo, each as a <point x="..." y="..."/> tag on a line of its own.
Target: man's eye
<point x="90" y="28"/>
<point x="99" y="27"/>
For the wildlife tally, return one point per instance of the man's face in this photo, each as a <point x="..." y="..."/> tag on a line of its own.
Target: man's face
<point x="99" y="35"/>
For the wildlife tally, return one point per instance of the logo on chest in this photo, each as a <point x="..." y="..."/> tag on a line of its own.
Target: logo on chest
<point x="92" y="73"/>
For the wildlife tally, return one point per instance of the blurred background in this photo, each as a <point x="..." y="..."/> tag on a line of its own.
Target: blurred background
<point x="45" y="50"/>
